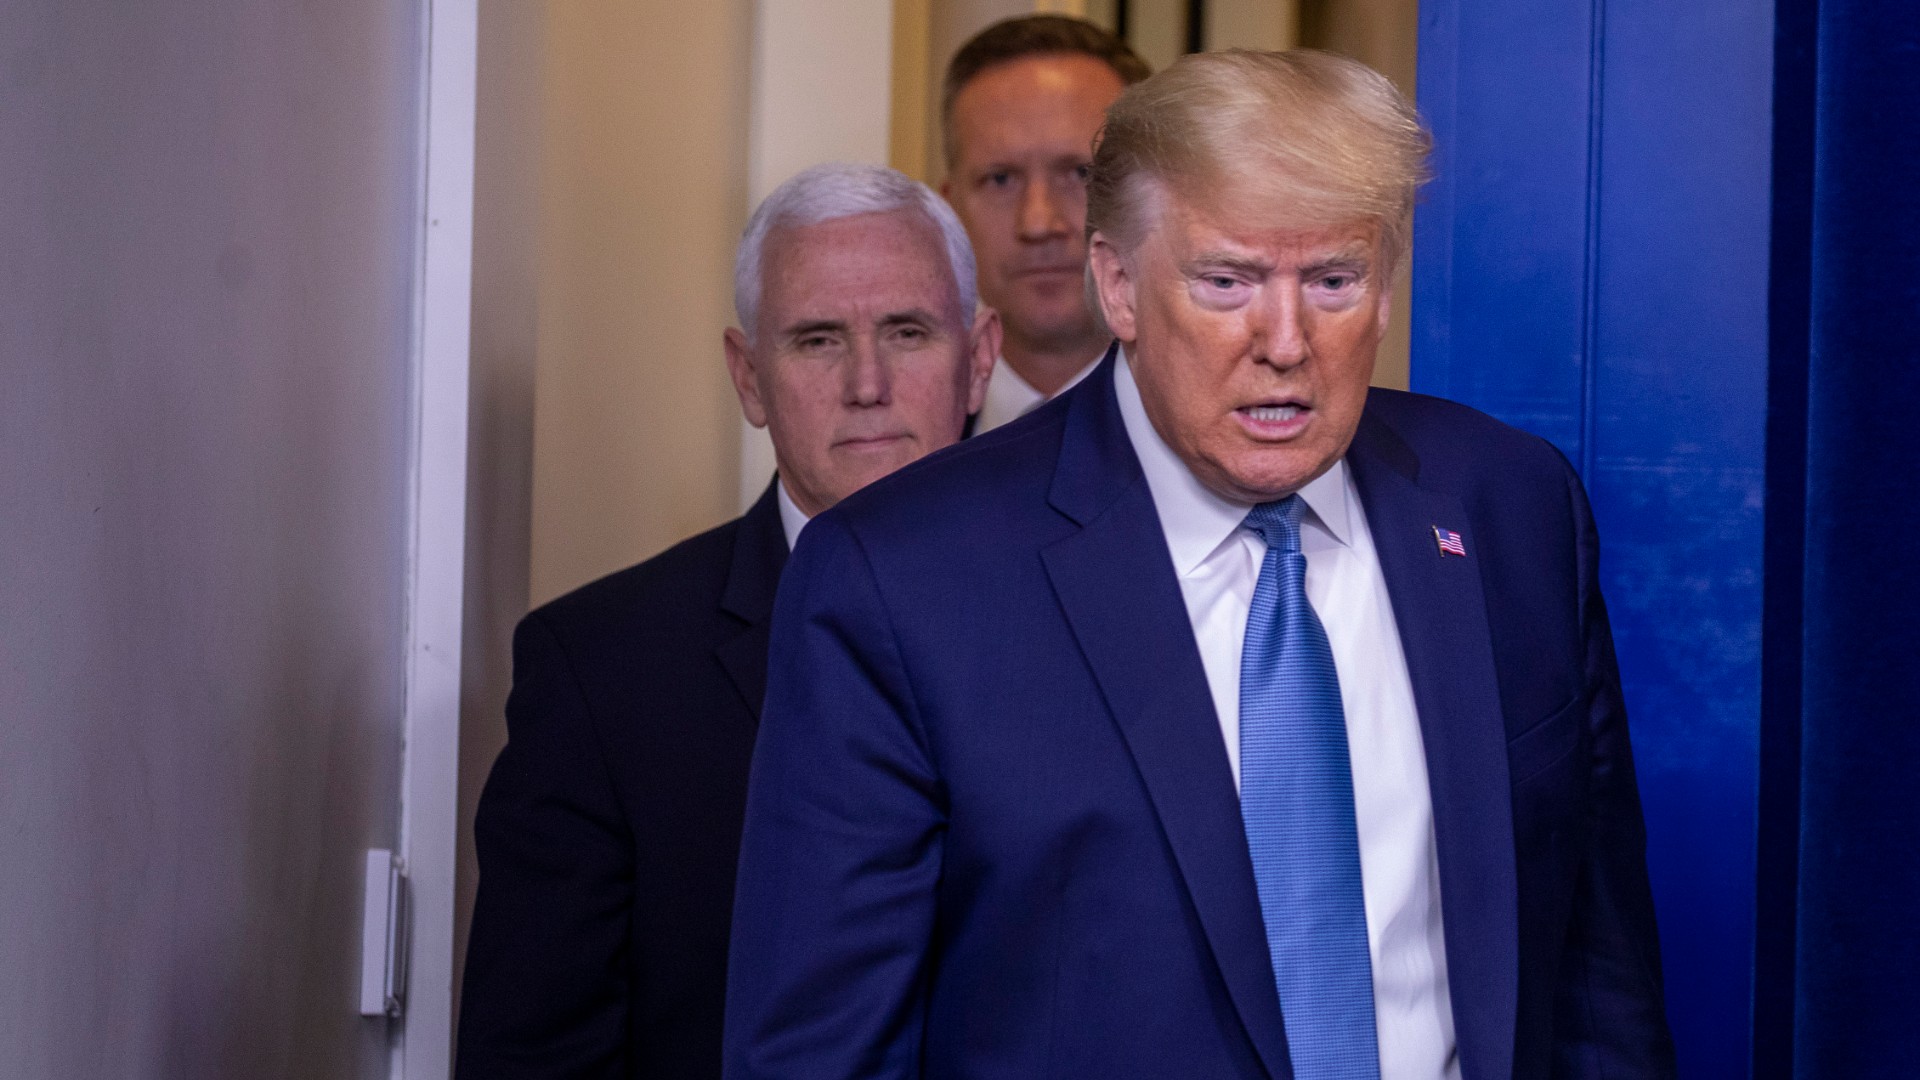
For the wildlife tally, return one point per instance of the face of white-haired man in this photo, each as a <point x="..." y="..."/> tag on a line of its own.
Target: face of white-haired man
<point x="861" y="359"/>
<point x="1252" y="345"/>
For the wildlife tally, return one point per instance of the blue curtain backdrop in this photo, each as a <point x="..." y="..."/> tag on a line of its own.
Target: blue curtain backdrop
<point x="1839" y="960"/>
<point x="1682" y="241"/>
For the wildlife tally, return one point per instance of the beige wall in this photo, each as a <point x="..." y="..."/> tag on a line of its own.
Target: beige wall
<point x="1253" y="24"/>
<point x="911" y="134"/>
<point x="506" y="269"/>
<point x="949" y="24"/>
<point x="1385" y="34"/>
<point x="644" y="190"/>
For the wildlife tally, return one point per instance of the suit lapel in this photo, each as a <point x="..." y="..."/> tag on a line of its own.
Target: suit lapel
<point x="753" y="577"/>
<point x="1115" y="583"/>
<point x="1440" y="607"/>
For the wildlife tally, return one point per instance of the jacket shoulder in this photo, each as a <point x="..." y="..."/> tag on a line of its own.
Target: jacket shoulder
<point x="986" y="481"/>
<point x="654" y="597"/>
<point x="1457" y="445"/>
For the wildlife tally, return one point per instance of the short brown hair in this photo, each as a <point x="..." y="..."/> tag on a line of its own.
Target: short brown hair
<point x="1033" y="35"/>
<point x="1301" y="138"/>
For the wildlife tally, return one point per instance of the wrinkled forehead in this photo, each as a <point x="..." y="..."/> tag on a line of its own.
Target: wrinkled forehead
<point x="887" y="244"/>
<point x="1187" y="210"/>
<point x="841" y="267"/>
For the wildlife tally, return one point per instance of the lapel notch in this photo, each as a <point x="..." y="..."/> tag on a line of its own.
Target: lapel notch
<point x="753" y="577"/>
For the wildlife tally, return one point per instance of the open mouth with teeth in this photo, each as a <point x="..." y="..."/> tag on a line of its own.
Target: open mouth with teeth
<point x="1275" y="420"/>
<point x="1273" y="414"/>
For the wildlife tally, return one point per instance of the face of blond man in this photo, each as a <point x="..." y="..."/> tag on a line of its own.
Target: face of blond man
<point x="861" y="359"/>
<point x="1253" y="346"/>
<point x="1023" y="135"/>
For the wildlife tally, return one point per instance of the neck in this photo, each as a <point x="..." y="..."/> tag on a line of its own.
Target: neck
<point x="1048" y="366"/>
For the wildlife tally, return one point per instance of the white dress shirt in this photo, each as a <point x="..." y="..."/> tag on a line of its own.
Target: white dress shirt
<point x="1010" y="397"/>
<point x="792" y="518"/>
<point x="1218" y="563"/>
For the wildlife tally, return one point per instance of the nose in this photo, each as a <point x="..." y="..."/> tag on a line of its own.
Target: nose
<point x="1041" y="216"/>
<point x="868" y="381"/>
<point x="1278" y="327"/>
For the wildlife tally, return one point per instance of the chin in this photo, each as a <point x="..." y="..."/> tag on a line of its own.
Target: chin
<point x="879" y="471"/>
<point x="1265" y="484"/>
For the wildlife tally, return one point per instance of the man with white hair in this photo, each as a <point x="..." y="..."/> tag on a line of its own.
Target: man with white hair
<point x="608" y="829"/>
<point x="1225" y="718"/>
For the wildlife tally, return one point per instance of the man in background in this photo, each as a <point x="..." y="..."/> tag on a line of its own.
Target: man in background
<point x="608" y="829"/>
<point x="1022" y="102"/>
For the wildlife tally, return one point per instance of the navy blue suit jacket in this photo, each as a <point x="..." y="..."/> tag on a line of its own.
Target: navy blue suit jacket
<point x="992" y="830"/>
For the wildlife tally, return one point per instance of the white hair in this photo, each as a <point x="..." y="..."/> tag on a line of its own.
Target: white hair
<point x="838" y="190"/>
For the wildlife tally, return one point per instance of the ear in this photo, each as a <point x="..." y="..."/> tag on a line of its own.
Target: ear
<point x="1113" y="286"/>
<point x="982" y="353"/>
<point x="746" y="378"/>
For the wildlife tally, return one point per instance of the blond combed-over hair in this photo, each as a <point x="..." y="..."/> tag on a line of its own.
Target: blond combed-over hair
<point x="1300" y="139"/>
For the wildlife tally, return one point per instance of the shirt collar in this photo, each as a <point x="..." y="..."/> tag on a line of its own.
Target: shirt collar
<point x="1083" y="372"/>
<point x="1197" y="521"/>
<point x="1010" y="397"/>
<point x="792" y="518"/>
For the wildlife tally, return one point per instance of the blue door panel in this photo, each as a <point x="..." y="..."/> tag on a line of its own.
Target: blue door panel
<point x="1591" y="265"/>
<point x="1511" y="286"/>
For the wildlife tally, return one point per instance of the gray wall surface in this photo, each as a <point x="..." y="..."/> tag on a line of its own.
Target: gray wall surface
<point x="206" y="249"/>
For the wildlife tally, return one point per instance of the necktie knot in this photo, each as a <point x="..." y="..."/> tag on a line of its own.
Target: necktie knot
<point x="1278" y="523"/>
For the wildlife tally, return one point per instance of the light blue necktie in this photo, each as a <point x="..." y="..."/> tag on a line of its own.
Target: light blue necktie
<point x="1296" y="800"/>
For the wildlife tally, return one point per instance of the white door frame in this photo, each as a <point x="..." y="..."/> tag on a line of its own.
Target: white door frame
<point x="436" y="556"/>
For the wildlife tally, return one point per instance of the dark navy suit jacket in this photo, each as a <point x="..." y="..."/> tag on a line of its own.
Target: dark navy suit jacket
<point x="992" y="830"/>
<point x="608" y="828"/>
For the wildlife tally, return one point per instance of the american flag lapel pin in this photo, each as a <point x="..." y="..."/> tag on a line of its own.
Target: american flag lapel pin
<point x="1449" y="542"/>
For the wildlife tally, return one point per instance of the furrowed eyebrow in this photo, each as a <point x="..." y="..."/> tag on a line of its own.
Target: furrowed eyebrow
<point x="915" y="316"/>
<point x="1220" y="260"/>
<point x="1353" y="258"/>
<point x="815" y="326"/>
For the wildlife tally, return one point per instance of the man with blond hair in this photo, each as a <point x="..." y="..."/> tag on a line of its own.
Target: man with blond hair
<point x="1227" y="718"/>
